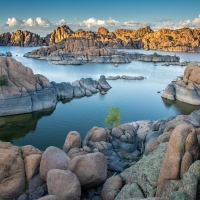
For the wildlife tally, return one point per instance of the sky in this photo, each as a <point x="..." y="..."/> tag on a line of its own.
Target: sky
<point x="43" y="16"/>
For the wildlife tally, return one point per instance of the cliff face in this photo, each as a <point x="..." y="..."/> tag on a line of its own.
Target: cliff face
<point x="22" y="38"/>
<point x="118" y="39"/>
<point x="183" y="40"/>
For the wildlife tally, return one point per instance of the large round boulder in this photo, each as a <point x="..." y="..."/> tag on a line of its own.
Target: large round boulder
<point x="192" y="73"/>
<point x="73" y="140"/>
<point x="111" y="188"/>
<point x="32" y="164"/>
<point x="91" y="169"/>
<point x="12" y="173"/>
<point x="53" y="158"/>
<point x="29" y="149"/>
<point x="63" y="184"/>
<point x="96" y="134"/>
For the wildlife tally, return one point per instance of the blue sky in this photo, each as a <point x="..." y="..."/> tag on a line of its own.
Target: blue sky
<point x="44" y="15"/>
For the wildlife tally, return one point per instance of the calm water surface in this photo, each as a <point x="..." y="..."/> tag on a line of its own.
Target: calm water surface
<point x="137" y="100"/>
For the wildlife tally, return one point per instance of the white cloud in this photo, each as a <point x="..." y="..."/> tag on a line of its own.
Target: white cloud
<point x="44" y="26"/>
<point x="14" y="22"/>
<point x="61" y="22"/>
<point x="43" y="22"/>
<point x="161" y="20"/>
<point x="168" y="25"/>
<point x="29" y="22"/>
<point x="136" y="24"/>
<point x="190" y="23"/>
<point x="93" y="22"/>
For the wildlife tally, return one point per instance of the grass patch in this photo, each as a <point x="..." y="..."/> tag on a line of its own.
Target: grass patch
<point x="3" y="80"/>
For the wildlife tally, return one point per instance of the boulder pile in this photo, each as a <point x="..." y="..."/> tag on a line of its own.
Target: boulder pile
<point x="154" y="160"/>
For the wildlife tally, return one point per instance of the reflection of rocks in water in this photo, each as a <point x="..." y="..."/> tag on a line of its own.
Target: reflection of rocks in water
<point x="17" y="126"/>
<point x="64" y="101"/>
<point x="181" y="107"/>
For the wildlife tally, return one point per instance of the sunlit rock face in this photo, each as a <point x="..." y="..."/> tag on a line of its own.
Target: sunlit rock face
<point x="180" y="40"/>
<point x="22" y="38"/>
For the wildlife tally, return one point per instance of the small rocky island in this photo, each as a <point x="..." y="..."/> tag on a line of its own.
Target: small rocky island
<point x="73" y="51"/>
<point x="187" y="89"/>
<point x="25" y="92"/>
<point x="157" y="160"/>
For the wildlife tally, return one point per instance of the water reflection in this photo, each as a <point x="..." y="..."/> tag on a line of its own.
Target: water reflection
<point x="182" y="108"/>
<point x="17" y="126"/>
<point x="14" y="128"/>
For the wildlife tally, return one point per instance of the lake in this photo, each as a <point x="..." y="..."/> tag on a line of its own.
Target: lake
<point x="137" y="99"/>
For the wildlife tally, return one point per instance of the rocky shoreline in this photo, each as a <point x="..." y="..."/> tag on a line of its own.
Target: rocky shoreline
<point x="139" y="151"/>
<point x="26" y="92"/>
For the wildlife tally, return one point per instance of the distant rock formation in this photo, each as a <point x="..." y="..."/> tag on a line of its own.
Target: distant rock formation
<point x="180" y="40"/>
<point x="24" y="92"/>
<point x="79" y="51"/>
<point x="188" y="88"/>
<point x="116" y="39"/>
<point x="22" y="38"/>
<point x="75" y="51"/>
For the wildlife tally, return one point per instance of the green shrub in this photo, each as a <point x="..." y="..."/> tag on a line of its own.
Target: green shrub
<point x="3" y="80"/>
<point x="155" y="54"/>
<point x="113" y="118"/>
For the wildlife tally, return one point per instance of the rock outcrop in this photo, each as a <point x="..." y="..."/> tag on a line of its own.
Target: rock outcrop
<point x="181" y="40"/>
<point x="78" y="51"/>
<point x="188" y="88"/>
<point x="182" y="151"/>
<point x="23" y="92"/>
<point x="22" y="38"/>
